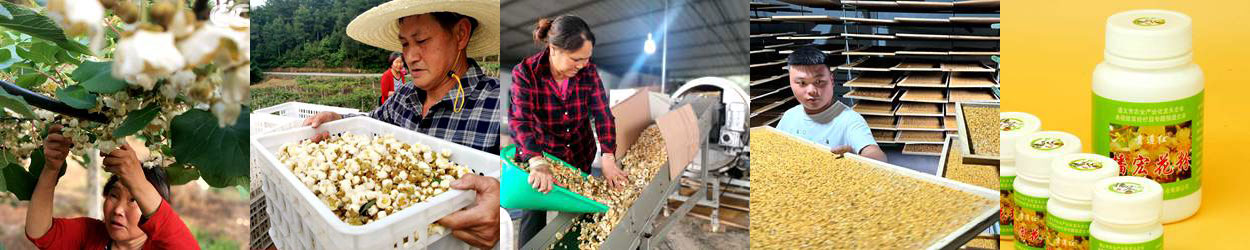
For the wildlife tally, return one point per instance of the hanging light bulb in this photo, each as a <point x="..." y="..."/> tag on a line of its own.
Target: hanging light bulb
<point x="649" y="46"/>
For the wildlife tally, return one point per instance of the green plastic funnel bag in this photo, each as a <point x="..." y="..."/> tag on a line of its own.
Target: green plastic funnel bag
<point x="516" y="192"/>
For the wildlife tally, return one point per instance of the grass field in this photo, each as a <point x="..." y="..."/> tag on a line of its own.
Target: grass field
<point x="360" y="93"/>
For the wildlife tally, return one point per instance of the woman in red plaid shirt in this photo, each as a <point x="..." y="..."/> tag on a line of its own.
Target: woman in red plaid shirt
<point x="556" y="98"/>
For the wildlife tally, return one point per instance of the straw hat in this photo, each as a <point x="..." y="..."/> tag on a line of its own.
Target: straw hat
<point x="379" y="27"/>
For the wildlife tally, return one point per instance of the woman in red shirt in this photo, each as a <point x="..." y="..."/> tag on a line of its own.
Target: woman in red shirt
<point x="136" y="212"/>
<point x="391" y="76"/>
<point x="559" y="106"/>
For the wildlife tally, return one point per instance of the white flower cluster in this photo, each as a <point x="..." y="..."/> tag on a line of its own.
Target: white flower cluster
<point x="365" y="178"/>
<point x="206" y="61"/>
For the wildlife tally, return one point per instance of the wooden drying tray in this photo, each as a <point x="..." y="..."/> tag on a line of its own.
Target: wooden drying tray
<point x="950" y="123"/>
<point x="870" y="64"/>
<point x="762" y="51"/>
<point x="884" y="136"/>
<point x="924" y="79"/>
<point x="920" y="123"/>
<point x="919" y="6"/>
<point x="919" y="109"/>
<point x="872" y="51"/>
<point x="921" y="20"/>
<point x="965" y="140"/>
<point x="945" y="37"/>
<point x="859" y="20"/>
<point x="972" y="95"/>
<point x="921" y="52"/>
<point x="971" y="80"/>
<point x="917" y="66"/>
<point x="767" y="35"/>
<point x="979" y="4"/>
<point x="923" y="149"/>
<point x="771" y="106"/>
<point x="828" y="4"/>
<point x="921" y="137"/>
<point x="880" y="122"/>
<point x="768" y="94"/>
<point x="762" y="20"/>
<point x="972" y="53"/>
<point x="828" y="52"/>
<point x="868" y="36"/>
<point x="806" y="19"/>
<point x="874" y="108"/>
<point x="871" y="81"/>
<point x="808" y="37"/>
<point x="966" y="67"/>
<point x="779" y="45"/>
<point x="767" y="64"/>
<point x="872" y="94"/>
<point x="781" y="9"/>
<point x="950" y="109"/>
<point x="974" y="20"/>
<point x="925" y="95"/>
<point x="950" y="148"/>
<point x="769" y="79"/>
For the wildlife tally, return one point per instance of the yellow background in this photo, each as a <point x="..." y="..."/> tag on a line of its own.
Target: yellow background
<point x="1049" y="51"/>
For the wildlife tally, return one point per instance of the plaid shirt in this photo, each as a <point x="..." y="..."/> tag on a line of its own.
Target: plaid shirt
<point x="544" y="122"/>
<point x="475" y="126"/>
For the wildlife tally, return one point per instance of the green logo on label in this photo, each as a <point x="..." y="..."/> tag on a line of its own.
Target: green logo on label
<point x="1046" y="143"/>
<point x="1126" y="187"/>
<point x="1085" y="164"/>
<point x="1010" y="124"/>
<point x="1149" y="21"/>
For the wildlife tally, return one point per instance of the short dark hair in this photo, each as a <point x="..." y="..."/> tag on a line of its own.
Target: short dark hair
<point x="155" y="175"/>
<point x="449" y="19"/>
<point x="567" y="32"/>
<point x="806" y="55"/>
<point x="394" y="55"/>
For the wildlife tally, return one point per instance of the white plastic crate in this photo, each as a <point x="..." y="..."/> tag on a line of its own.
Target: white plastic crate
<point x="302" y="221"/>
<point x="261" y="123"/>
<point x="302" y="110"/>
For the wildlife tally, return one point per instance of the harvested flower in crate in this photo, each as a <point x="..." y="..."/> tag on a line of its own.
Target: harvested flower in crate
<point x="365" y="178"/>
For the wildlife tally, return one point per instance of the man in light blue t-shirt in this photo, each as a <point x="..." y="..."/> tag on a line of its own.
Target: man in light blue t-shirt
<point x="820" y="118"/>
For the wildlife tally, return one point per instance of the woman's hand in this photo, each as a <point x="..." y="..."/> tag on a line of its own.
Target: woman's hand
<point x="540" y="175"/>
<point x="615" y="177"/>
<point x="55" y="149"/>
<point x="123" y="163"/>
<point x="39" y="214"/>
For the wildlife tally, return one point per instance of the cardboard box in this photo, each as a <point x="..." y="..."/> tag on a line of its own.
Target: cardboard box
<point x="679" y="127"/>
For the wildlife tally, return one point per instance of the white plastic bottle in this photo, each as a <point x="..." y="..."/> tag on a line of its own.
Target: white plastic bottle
<point x="1148" y="94"/>
<point x="1068" y="211"/>
<point x="1012" y="125"/>
<point x="1034" y="154"/>
<point x="1126" y="214"/>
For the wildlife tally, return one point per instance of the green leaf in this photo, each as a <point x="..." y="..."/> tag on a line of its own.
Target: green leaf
<point x="65" y="58"/>
<point x="4" y="12"/>
<point x="28" y="21"/>
<point x="7" y="157"/>
<point x="220" y="154"/>
<point x="16" y="104"/>
<point x="31" y="80"/>
<point x="137" y="120"/>
<point x="97" y="77"/>
<point x="19" y="182"/>
<point x="76" y="96"/>
<point x="180" y="174"/>
<point x="42" y="52"/>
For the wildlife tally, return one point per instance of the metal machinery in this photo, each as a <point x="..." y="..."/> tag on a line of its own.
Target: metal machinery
<point x="721" y="108"/>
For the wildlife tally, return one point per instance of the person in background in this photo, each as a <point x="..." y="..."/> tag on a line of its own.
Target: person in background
<point x="448" y="95"/>
<point x="137" y="213"/>
<point x="819" y="118"/>
<point x="393" y="76"/>
<point x="559" y="106"/>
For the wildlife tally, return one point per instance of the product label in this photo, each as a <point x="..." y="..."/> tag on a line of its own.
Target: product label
<point x="1030" y="224"/>
<point x="1066" y="234"/>
<point x="1085" y="164"/>
<point x="1126" y="187"/>
<point x="1007" y="211"/>
<point x="1161" y="141"/>
<point x="1157" y="243"/>
<point x="1046" y="143"/>
<point x="1010" y="124"/>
